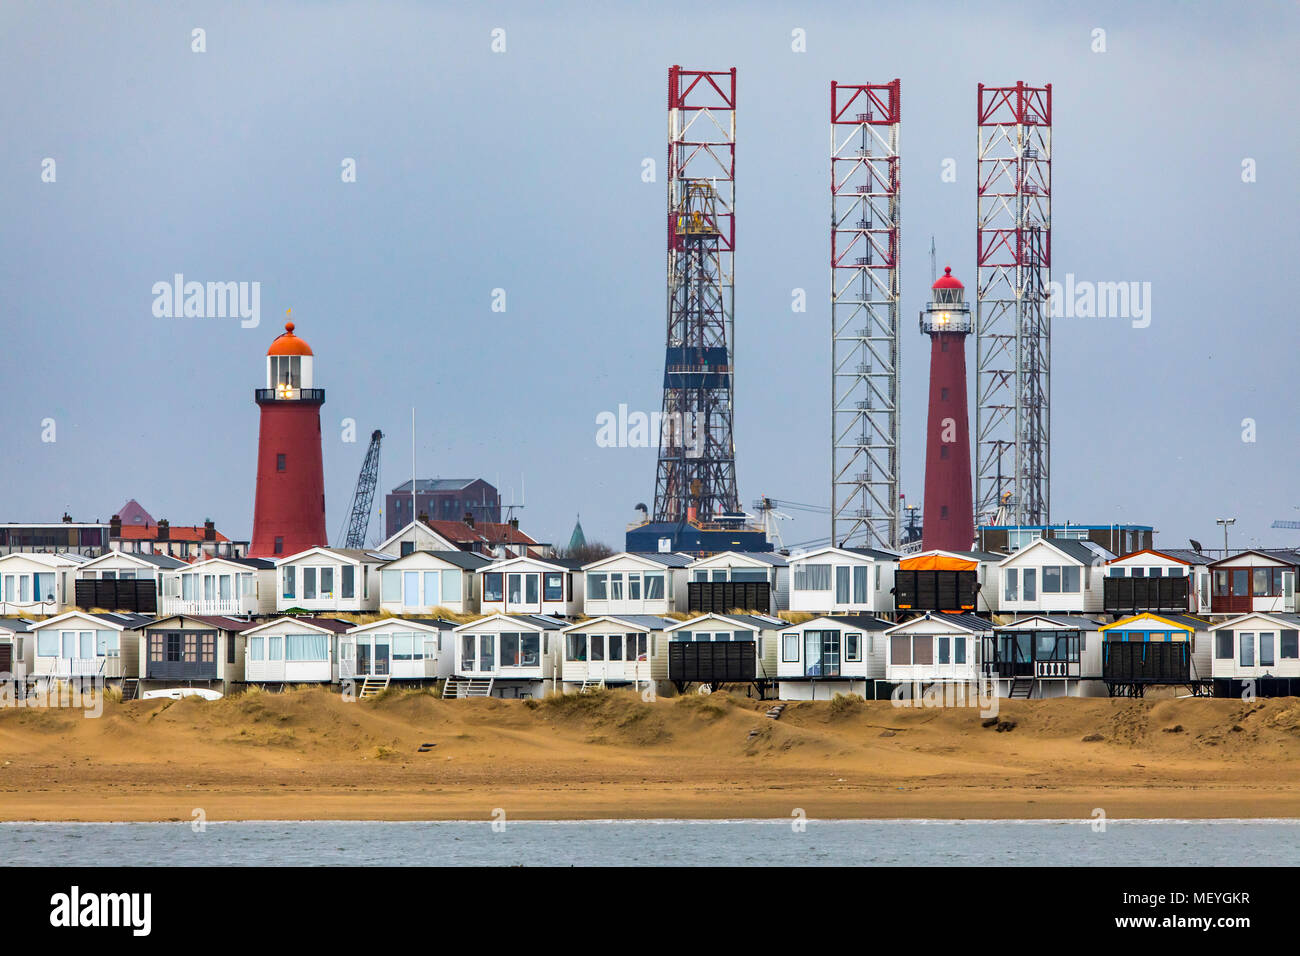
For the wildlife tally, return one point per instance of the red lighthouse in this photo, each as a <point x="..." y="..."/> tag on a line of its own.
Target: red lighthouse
<point x="949" y="514"/>
<point x="289" y="511"/>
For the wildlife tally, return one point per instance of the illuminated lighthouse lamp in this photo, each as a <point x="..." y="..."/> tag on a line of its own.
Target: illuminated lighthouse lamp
<point x="289" y="366"/>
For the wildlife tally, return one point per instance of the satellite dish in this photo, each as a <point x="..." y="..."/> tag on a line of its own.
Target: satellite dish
<point x="1196" y="545"/>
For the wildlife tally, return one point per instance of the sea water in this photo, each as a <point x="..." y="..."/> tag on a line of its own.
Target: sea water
<point x="659" y="843"/>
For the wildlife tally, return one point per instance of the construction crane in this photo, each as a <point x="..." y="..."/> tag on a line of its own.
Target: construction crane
<point x="364" y="496"/>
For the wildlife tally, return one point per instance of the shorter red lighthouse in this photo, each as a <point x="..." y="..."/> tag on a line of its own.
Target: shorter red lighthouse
<point x="289" y="510"/>
<point x="948" y="517"/>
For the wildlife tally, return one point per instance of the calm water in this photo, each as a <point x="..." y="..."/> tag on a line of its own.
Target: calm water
<point x="659" y="843"/>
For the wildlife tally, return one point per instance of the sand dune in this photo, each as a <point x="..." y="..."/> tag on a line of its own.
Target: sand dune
<point x="308" y="754"/>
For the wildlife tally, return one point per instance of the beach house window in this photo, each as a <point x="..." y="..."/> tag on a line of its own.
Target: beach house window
<point x="492" y="584"/>
<point x="615" y="587"/>
<point x="47" y="644"/>
<point x="596" y="647"/>
<point x="390" y="584"/>
<point x="699" y="575"/>
<point x="1223" y="646"/>
<point x="1266" y="658"/>
<point x="614" y="644"/>
<point x="305" y="647"/>
<point x="852" y="648"/>
<point x="1071" y="578"/>
<point x="1052" y="579"/>
<point x="531" y="588"/>
<point x="411" y="588"/>
<point x="1116" y="572"/>
<point x="45" y="585"/>
<point x="596" y="586"/>
<point x="553" y="589"/>
<point x="487" y="652"/>
<point x="257" y="648"/>
<point x="959" y="650"/>
<point x="209" y="587"/>
<point x="842" y="584"/>
<point x="1290" y="645"/>
<point x="790" y="648"/>
<point x="1174" y="572"/>
<point x="1247" y="643"/>
<point x="900" y="649"/>
<point x="576" y="649"/>
<point x="509" y="650"/>
<point x="530" y="654"/>
<point x="1010" y="584"/>
<point x="247" y="587"/>
<point x="187" y="587"/>
<point x="468" y="646"/>
<point x="1031" y="584"/>
<point x="633" y="587"/>
<point x="432" y="587"/>
<point x="288" y="577"/>
<point x="860" y="583"/>
<point x="224" y="587"/>
<point x="275" y="648"/>
<point x="945" y="650"/>
<point x="923" y="649"/>
<point x="349" y="582"/>
<point x="308" y="584"/>
<point x="812" y="577"/>
<point x="638" y="647"/>
<point x="654" y="587"/>
<point x="451" y="585"/>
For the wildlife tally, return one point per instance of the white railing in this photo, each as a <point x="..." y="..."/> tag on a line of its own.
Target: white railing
<point x="175" y="605"/>
<point x="1056" y="669"/>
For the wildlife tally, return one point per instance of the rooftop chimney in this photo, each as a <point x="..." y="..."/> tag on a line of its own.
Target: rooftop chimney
<point x="67" y="518"/>
<point x="469" y="518"/>
<point x="514" y="523"/>
<point x="209" y="530"/>
<point x="115" y="526"/>
<point x="164" y="529"/>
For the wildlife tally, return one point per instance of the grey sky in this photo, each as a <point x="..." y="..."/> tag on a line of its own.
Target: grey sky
<point x="522" y="171"/>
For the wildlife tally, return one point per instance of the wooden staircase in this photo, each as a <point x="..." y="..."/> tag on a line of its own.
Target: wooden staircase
<point x="130" y="688"/>
<point x="372" y="687"/>
<point x="590" y="684"/>
<point x="456" y="688"/>
<point x="1022" y="687"/>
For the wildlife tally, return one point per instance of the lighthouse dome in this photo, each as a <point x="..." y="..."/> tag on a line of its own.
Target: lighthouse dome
<point x="286" y="343"/>
<point x="947" y="280"/>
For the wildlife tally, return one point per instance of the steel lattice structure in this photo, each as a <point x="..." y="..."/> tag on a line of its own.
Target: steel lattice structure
<point x="864" y="314"/>
<point x="697" y="456"/>
<point x="1012" y="318"/>
<point x="364" y="496"/>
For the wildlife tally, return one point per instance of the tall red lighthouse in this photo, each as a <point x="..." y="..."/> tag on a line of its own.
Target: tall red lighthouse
<point x="948" y="517"/>
<point x="289" y="510"/>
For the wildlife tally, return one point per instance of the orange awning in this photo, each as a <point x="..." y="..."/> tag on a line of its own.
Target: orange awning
<point x="937" y="562"/>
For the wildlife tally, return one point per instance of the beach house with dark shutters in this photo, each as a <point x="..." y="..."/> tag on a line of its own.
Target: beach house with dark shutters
<point x="733" y="580"/>
<point x="936" y="649"/>
<point x="330" y="580"/>
<point x="121" y="581"/>
<point x="1176" y="580"/>
<point x="950" y="581"/>
<point x="1254" y="581"/>
<point x="506" y="655"/>
<point x="840" y="654"/>
<point x="614" y="651"/>
<point x="528" y="585"/>
<point x="717" y="649"/>
<point x="1045" y="655"/>
<point x="634" y="583"/>
<point x="1259" y="649"/>
<point x="191" y="649"/>
<point x="1147" y="650"/>
<point x="842" y="581"/>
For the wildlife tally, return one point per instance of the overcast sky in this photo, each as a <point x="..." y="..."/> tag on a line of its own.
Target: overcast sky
<point x="521" y="171"/>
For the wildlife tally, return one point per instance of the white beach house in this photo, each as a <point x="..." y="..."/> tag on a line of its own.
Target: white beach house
<point x="293" y="650"/>
<point x="1261" y="648"/>
<point x="38" y="583"/>
<point x="507" y="655"/>
<point x="842" y="581"/>
<point x="633" y="583"/>
<point x="1254" y="580"/>
<point x="1054" y="576"/>
<point x="423" y="581"/>
<point x="17" y="649"/>
<point x="615" y="650"/>
<point x="936" y="648"/>
<point x="220" y="587"/>
<point x="80" y="644"/>
<point x="330" y="580"/>
<point x="840" y="654"/>
<point x="529" y="585"/>
<point x="401" y="649"/>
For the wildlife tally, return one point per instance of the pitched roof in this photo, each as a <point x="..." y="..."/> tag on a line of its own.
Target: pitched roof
<point x="324" y="623"/>
<point x="1284" y="617"/>
<point x="212" y="620"/>
<point x="867" y="622"/>
<point x="1286" y="557"/>
<point x="1185" y="555"/>
<point x="15" y="625"/>
<point x="967" y="622"/>
<point x="133" y="513"/>
<point x="651" y="622"/>
<point x="1064" y="620"/>
<point x="466" y="560"/>
<point x="1179" y="620"/>
<point x="176" y="532"/>
<point x="437" y="484"/>
<point x="763" y="557"/>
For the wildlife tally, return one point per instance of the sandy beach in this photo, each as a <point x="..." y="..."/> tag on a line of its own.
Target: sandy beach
<point x="308" y="754"/>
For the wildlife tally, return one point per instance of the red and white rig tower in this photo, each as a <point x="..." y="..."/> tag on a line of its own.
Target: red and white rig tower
<point x="289" y="510"/>
<point x="865" y="219"/>
<point x="1013" y="330"/>
<point x="949" y="516"/>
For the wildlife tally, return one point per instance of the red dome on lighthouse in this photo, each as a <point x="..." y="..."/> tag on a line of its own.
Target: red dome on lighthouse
<point x="947" y="280"/>
<point x="286" y="343"/>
